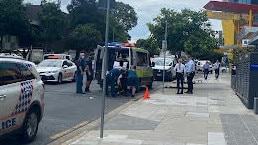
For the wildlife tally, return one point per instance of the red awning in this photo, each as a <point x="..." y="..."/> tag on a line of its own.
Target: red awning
<point x="231" y="7"/>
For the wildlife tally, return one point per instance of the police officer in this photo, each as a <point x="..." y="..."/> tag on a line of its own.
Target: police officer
<point x="80" y="73"/>
<point x="179" y="68"/>
<point x="89" y="72"/>
<point x="190" y="72"/>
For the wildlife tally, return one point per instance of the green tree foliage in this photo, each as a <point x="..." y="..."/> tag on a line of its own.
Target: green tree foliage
<point x="84" y="38"/>
<point x="53" y="22"/>
<point x="86" y="12"/>
<point x="125" y="15"/>
<point x="186" y="31"/>
<point x="122" y="19"/>
<point x="13" y="20"/>
<point x="116" y="31"/>
<point x="149" y="44"/>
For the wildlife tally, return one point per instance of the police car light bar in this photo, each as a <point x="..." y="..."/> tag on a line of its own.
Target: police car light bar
<point x="119" y="44"/>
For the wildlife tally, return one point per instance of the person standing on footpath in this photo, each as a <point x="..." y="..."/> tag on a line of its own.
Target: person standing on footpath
<point x="206" y="69"/>
<point x="89" y="72"/>
<point x="179" y="68"/>
<point x="216" y="68"/>
<point x="80" y="73"/>
<point x="190" y="72"/>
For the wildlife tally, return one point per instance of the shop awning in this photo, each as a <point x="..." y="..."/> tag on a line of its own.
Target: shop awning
<point x="231" y="7"/>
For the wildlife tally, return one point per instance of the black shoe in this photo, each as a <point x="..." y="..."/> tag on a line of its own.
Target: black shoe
<point x="186" y="91"/>
<point x="189" y="92"/>
<point x="177" y="93"/>
<point x="87" y="90"/>
<point x="132" y="96"/>
<point x="181" y="92"/>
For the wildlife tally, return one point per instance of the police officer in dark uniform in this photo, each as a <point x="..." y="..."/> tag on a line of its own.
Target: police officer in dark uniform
<point x="89" y="72"/>
<point x="80" y="73"/>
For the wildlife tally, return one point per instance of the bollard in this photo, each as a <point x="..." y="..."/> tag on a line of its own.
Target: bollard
<point x="256" y="105"/>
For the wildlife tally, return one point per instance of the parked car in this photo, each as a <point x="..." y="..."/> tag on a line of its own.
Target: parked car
<point x="158" y="68"/>
<point x="21" y="98"/>
<point x="200" y="63"/>
<point x="57" y="56"/>
<point x="57" y="70"/>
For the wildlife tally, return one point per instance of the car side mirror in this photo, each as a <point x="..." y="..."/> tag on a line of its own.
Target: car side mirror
<point x="65" y="66"/>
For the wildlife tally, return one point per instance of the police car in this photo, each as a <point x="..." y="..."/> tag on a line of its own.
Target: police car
<point x="57" y="70"/>
<point x="21" y="97"/>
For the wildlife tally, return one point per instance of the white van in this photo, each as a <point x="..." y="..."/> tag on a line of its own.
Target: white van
<point x="158" y="68"/>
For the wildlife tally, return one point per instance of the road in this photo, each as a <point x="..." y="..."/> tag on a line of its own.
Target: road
<point x="64" y="109"/>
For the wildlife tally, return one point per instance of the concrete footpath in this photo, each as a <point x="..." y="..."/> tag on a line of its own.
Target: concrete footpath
<point x="212" y="115"/>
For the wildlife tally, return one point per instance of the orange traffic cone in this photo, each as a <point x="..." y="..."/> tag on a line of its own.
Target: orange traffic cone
<point x="146" y="94"/>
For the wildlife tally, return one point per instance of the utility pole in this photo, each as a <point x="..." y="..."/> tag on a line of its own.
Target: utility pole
<point x="105" y="70"/>
<point x="164" y="48"/>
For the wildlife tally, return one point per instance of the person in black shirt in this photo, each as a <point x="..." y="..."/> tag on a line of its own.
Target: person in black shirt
<point x="89" y="72"/>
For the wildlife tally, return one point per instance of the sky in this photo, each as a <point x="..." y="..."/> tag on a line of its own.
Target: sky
<point x="148" y="9"/>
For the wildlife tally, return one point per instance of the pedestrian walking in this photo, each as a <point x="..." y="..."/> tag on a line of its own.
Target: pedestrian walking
<point x="190" y="72"/>
<point x="89" y="72"/>
<point x="132" y="81"/>
<point x="206" y="69"/>
<point x="80" y="73"/>
<point x="216" y="67"/>
<point x="179" y="68"/>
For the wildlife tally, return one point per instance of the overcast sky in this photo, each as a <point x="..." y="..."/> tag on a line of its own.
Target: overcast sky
<point x="148" y="9"/>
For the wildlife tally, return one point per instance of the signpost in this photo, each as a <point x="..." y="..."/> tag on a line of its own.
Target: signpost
<point x="105" y="70"/>
<point x="164" y="49"/>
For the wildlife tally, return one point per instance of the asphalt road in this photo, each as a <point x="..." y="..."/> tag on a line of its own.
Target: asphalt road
<point x="65" y="111"/>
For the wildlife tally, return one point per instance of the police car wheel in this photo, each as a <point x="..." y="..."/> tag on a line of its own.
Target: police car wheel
<point x="30" y="126"/>
<point x="60" y="79"/>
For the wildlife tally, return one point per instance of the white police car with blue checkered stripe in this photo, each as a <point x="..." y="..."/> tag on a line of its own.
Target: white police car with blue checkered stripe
<point x="21" y="97"/>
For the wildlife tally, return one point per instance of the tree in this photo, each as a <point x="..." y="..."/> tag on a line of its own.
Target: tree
<point x="86" y="12"/>
<point x="13" y="20"/>
<point x="116" y="31"/>
<point x="84" y="37"/>
<point x="53" y="22"/>
<point x="149" y="44"/>
<point x="125" y="15"/>
<point x="186" y="31"/>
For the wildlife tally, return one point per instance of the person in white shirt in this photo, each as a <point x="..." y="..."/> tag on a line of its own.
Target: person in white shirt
<point x="190" y="72"/>
<point x="216" y="68"/>
<point x="179" y="68"/>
